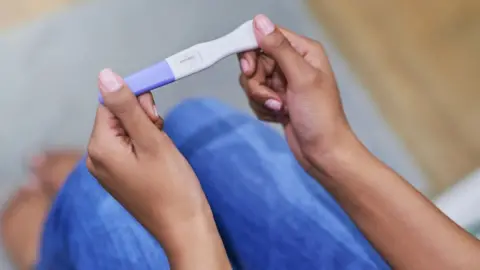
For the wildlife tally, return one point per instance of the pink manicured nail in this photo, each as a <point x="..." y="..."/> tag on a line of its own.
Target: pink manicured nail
<point x="245" y="65"/>
<point x="155" y="112"/>
<point x="264" y="25"/>
<point x="273" y="105"/>
<point x="109" y="81"/>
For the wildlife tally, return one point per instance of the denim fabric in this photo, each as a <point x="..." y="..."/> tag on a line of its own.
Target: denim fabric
<point x="270" y="213"/>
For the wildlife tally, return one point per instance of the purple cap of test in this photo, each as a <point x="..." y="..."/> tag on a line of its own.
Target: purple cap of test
<point x="148" y="79"/>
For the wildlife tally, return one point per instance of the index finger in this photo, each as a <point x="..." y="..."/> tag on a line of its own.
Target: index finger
<point x="300" y="43"/>
<point x="105" y="122"/>
<point x="104" y="132"/>
<point x="248" y="62"/>
<point x="124" y="105"/>
<point x="148" y="105"/>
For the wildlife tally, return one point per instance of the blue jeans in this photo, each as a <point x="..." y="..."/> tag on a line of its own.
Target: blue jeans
<point x="269" y="212"/>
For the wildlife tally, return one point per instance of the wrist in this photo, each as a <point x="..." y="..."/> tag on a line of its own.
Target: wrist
<point x="196" y="246"/>
<point x="193" y="243"/>
<point x="174" y="225"/>
<point x="346" y="152"/>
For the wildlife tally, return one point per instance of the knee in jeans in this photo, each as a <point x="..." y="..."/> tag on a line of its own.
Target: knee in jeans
<point x="191" y="114"/>
<point x="194" y="107"/>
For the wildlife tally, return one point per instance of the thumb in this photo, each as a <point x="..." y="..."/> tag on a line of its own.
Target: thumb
<point x="274" y="43"/>
<point x="123" y="104"/>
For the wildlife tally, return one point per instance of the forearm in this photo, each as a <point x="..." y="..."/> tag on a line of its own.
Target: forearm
<point x="196" y="246"/>
<point x="404" y="226"/>
<point x="189" y="244"/>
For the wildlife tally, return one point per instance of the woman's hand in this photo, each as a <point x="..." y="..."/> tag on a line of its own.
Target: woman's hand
<point x="137" y="163"/>
<point x="290" y="81"/>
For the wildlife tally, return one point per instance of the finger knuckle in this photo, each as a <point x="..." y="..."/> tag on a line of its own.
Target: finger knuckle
<point x="95" y="151"/>
<point x="251" y="92"/>
<point x="90" y="165"/>
<point x="160" y="124"/>
<point x="314" y="44"/>
<point x="124" y="103"/>
<point x="94" y="170"/>
<point x="279" y="41"/>
<point x="312" y="78"/>
<point x="242" y="81"/>
<point x="251" y="95"/>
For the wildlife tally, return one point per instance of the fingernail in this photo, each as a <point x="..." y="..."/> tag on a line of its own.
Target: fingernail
<point x="264" y="25"/>
<point x="273" y="105"/>
<point x="155" y="112"/>
<point x="245" y="65"/>
<point x="109" y="81"/>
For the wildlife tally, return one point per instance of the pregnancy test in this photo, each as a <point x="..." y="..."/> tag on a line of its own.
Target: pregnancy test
<point x="193" y="60"/>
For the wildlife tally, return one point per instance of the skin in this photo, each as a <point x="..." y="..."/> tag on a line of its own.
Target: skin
<point x="24" y="214"/>
<point x="139" y="165"/>
<point x="404" y="226"/>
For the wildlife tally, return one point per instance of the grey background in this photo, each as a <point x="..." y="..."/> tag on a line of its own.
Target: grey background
<point x="49" y="68"/>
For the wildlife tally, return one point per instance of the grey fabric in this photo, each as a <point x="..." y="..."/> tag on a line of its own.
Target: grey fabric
<point x="48" y="71"/>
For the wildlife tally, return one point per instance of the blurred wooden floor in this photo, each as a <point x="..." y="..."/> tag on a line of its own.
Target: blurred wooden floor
<point x="421" y="62"/>
<point x="14" y="12"/>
